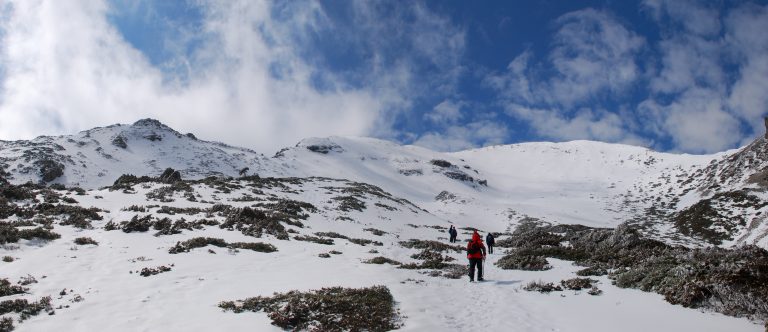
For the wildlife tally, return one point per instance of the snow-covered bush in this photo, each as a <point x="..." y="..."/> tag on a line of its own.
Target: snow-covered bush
<point x="382" y="260"/>
<point x="85" y="240"/>
<point x="6" y="288"/>
<point x="517" y="260"/>
<point x="542" y="287"/>
<point x="315" y="239"/>
<point x="578" y="283"/>
<point x="328" y="309"/>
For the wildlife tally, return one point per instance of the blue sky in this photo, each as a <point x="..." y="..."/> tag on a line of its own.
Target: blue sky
<point x="678" y="76"/>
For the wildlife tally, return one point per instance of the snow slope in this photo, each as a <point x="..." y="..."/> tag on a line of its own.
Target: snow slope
<point x="105" y="292"/>
<point x="97" y="157"/>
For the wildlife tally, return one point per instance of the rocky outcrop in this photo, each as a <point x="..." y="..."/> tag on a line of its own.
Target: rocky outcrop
<point x="170" y="175"/>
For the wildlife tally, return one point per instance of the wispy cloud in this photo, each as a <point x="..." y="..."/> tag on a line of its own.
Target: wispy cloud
<point x="244" y="75"/>
<point x="696" y="88"/>
<point x="592" y="55"/>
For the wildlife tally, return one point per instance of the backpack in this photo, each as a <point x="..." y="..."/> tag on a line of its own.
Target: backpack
<point x="473" y="248"/>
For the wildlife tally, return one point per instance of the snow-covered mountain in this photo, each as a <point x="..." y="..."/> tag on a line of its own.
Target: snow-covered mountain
<point x="96" y="157"/>
<point x="583" y="182"/>
<point x="359" y="212"/>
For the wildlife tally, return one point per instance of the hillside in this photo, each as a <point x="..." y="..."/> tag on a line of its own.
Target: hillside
<point x="115" y="251"/>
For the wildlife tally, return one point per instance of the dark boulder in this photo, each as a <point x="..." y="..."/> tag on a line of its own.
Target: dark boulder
<point x="170" y="175"/>
<point x="119" y="141"/>
<point x="440" y="163"/>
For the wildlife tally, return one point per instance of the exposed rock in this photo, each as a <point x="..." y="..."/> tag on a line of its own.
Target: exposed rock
<point x="325" y="148"/>
<point x="49" y="169"/>
<point x="170" y="175"/>
<point x="459" y="175"/>
<point x="440" y="163"/>
<point x="445" y="196"/>
<point x="119" y="141"/>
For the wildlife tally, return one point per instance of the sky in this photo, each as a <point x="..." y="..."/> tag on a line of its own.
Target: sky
<point x="677" y="76"/>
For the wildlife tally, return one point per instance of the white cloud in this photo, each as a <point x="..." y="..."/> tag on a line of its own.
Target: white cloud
<point x="446" y="112"/>
<point x="248" y="82"/>
<point x="701" y="81"/>
<point x="592" y="53"/>
<point x="746" y="35"/>
<point x="584" y="124"/>
<point x="463" y="137"/>
<point x="697" y="121"/>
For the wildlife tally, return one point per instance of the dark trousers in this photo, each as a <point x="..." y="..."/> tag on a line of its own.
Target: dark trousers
<point x="490" y="248"/>
<point x="475" y="262"/>
<point x="453" y="238"/>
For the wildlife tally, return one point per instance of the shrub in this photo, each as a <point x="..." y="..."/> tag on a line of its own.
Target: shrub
<point x="255" y="246"/>
<point x="254" y="223"/>
<point x="364" y="242"/>
<point x="518" y="261"/>
<point x="349" y="203"/>
<point x="197" y="242"/>
<point x="315" y="239"/>
<point x="375" y="231"/>
<point x="200" y="242"/>
<point x="39" y="233"/>
<point x="594" y="291"/>
<point x="137" y="224"/>
<point x="332" y="235"/>
<point x="26" y="309"/>
<point x="327" y="309"/>
<point x="85" y="240"/>
<point x="592" y="271"/>
<point x="429" y="244"/>
<point x="6" y="324"/>
<point x="6" y="288"/>
<point x="146" y="272"/>
<point x="541" y="287"/>
<point x="382" y="260"/>
<point x="577" y="283"/>
<point x="8" y="259"/>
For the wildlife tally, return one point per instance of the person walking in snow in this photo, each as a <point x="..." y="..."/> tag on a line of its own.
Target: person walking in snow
<point x="490" y="241"/>
<point x="452" y="233"/>
<point x="476" y="256"/>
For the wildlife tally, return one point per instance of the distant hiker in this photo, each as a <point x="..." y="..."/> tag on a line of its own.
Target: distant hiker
<point x="452" y="233"/>
<point x="476" y="255"/>
<point x="490" y="241"/>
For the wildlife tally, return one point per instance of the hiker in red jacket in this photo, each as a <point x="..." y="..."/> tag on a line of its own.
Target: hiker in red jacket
<point x="476" y="255"/>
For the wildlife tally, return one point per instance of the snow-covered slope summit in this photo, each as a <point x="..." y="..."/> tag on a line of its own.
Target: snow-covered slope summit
<point x="96" y="157"/>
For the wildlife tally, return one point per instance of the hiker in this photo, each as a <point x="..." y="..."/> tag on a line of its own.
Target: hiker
<point x="476" y="256"/>
<point x="452" y="233"/>
<point x="490" y="241"/>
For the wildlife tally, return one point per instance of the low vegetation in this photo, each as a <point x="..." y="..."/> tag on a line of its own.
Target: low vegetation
<point x="729" y="281"/>
<point x="328" y="309"/>
<point x="200" y="242"/>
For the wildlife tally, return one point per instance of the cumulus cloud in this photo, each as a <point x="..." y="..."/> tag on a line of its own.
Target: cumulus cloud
<point x="250" y="78"/>
<point x="446" y="112"/>
<point x="584" y="124"/>
<point x="694" y="89"/>
<point x="463" y="137"/>
<point x="712" y="71"/>
<point x="592" y="55"/>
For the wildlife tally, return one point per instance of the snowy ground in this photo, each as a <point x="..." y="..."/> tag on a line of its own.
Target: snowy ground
<point x="186" y="298"/>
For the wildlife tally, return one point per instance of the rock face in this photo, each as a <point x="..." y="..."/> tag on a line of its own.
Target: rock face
<point x="119" y="141"/>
